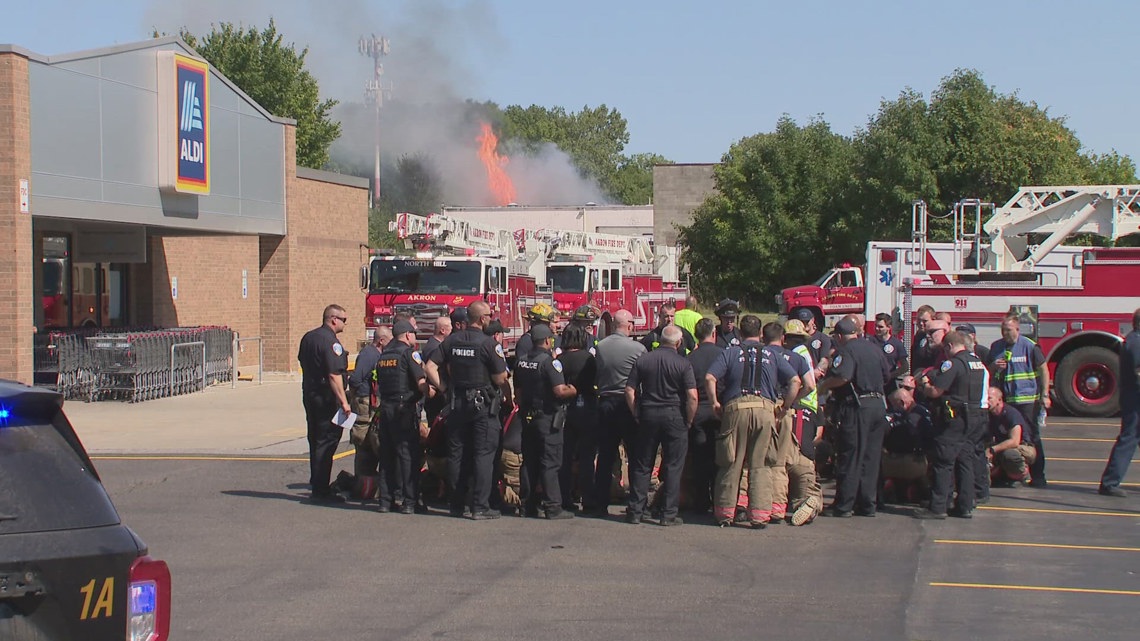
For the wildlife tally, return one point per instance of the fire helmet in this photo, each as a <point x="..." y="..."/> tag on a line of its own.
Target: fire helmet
<point x="541" y="313"/>
<point x="795" y="327"/>
<point x="585" y="314"/>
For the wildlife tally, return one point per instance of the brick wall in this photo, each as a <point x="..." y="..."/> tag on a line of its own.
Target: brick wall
<point x="316" y="264"/>
<point x="17" y="323"/>
<point x="677" y="191"/>
<point x="209" y="272"/>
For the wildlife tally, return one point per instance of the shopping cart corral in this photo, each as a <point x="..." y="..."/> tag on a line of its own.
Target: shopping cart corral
<point x="138" y="365"/>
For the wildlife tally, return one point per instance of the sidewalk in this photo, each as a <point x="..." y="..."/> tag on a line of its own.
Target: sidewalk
<point x="250" y="420"/>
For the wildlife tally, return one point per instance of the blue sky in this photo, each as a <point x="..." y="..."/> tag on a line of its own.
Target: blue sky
<point x="691" y="78"/>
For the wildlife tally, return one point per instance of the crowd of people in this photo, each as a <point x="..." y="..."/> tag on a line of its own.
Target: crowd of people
<point x="732" y="417"/>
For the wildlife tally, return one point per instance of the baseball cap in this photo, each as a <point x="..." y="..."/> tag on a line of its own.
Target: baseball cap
<point x="494" y="327"/>
<point x="459" y="315"/>
<point x="795" y="327"/>
<point x="966" y="328"/>
<point x="402" y="327"/>
<point x="804" y="315"/>
<point x="846" y="328"/>
<point x="541" y="332"/>
<point x="727" y="307"/>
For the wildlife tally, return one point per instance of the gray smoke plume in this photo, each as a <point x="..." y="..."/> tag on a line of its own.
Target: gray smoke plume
<point x="432" y="69"/>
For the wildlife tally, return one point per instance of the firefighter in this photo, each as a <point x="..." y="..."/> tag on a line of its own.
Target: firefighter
<point x="400" y="384"/>
<point x="661" y="393"/>
<point x="959" y="387"/>
<point x="324" y="362"/>
<point x="726" y="333"/>
<point x="702" y="439"/>
<point x="538" y="314"/>
<point x="1007" y="456"/>
<point x="922" y="356"/>
<point x="1019" y="368"/>
<point x="478" y="374"/>
<point x="753" y="375"/>
<point x="818" y="342"/>
<point x="542" y="396"/>
<point x="892" y="347"/>
<point x="803" y="497"/>
<point x="855" y="380"/>
<point x="584" y="317"/>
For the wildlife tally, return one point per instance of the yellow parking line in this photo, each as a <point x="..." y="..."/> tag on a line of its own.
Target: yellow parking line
<point x="1037" y="510"/>
<point x="1052" y="546"/>
<point x="1085" y="440"/>
<point x="1035" y="588"/>
<point x="344" y="454"/>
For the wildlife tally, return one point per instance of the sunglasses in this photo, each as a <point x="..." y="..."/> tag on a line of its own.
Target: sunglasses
<point x="343" y="319"/>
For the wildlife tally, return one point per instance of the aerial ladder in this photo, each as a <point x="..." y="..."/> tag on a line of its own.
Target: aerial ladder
<point x="1111" y="211"/>
<point x="634" y="253"/>
<point x="437" y="232"/>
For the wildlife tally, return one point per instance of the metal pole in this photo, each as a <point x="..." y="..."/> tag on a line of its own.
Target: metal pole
<point x="233" y="362"/>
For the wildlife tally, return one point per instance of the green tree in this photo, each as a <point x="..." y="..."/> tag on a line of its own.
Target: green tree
<point x="273" y="74"/>
<point x="777" y="195"/>
<point x="632" y="183"/>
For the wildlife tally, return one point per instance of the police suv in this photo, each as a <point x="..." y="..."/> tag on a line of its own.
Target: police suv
<point x="69" y="569"/>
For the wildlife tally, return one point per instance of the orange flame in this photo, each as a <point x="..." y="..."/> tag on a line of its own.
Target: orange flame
<point x="502" y="188"/>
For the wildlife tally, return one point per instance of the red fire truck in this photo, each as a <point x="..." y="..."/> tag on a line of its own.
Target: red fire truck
<point x="454" y="264"/>
<point x="609" y="271"/>
<point x="1079" y="325"/>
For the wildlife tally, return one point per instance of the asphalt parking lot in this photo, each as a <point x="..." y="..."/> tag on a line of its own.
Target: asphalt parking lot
<point x="252" y="560"/>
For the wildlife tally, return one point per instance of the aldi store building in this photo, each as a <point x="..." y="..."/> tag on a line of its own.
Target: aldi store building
<point x="140" y="187"/>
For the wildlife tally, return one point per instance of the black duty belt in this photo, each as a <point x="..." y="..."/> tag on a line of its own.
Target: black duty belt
<point x="870" y="395"/>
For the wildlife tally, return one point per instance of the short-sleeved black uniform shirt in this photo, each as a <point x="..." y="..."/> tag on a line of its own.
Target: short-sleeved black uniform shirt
<point x="320" y="355"/>
<point x="1002" y="423"/>
<point x="753" y="369"/>
<point x="702" y="359"/>
<point x="398" y="371"/>
<point x="580" y="369"/>
<point x="963" y="378"/>
<point x="892" y="348"/>
<point x="471" y="358"/>
<point x="536" y="376"/>
<point x="860" y="362"/>
<point x="663" y="378"/>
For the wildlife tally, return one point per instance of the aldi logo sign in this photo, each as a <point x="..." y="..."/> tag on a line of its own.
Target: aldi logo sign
<point x="184" y="123"/>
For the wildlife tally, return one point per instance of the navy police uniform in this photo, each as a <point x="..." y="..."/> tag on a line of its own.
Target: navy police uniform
<point x="471" y="359"/>
<point x="544" y="418"/>
<point x="399" y="373"/>
<point x="860" y="413"/>
<point x="321" y="355"/>
<point x="960" y="426"/>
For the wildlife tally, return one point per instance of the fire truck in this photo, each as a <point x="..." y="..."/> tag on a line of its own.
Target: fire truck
<point x="873" y="287"/>
<point x="1078" y="322"/>
<point x="609" y="271"/>
<point x="454" y="263"/>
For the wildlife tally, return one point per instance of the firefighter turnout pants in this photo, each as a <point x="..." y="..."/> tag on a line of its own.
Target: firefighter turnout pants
<point x="745" y="435"/>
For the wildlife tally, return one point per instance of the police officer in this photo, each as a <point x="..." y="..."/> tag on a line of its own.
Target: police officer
<point x="891" y="346"/>
<point x="753" y="374"/>
<point x="400" y="383"/>
<point x="542" y="396"/>
<point x="726" y="333"/>
<point x="855" y="379"/>
<point x="478" y="373"/>
<point x="324" y="362"/>
<point x="702" y="440"/>
<point x="960" y="417"/>
<point x="662" y="396"/>
<point x="538" y="314"/>
<point x="666" y="315"/>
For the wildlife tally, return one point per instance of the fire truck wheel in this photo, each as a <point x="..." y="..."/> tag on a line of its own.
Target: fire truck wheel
<point x="1086" y="382"/>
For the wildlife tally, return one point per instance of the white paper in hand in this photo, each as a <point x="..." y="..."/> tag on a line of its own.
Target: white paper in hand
<point x="344" y="419"/>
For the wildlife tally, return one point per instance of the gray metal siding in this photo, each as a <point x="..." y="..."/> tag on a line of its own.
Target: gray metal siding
<point x="95" y="150"/>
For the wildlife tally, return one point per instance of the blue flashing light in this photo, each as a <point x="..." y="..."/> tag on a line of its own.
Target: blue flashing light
<point x="5" y="415"/>
<point x="143" y="598"/>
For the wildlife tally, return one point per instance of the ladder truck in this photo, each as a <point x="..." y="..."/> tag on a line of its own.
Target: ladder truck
<point x="608" y="271"/>
<point x="453" y="264"/>
<point x="1079" y="323"/>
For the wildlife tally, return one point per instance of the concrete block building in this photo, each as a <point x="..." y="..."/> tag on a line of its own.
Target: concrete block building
<point x="140" y="187"/>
